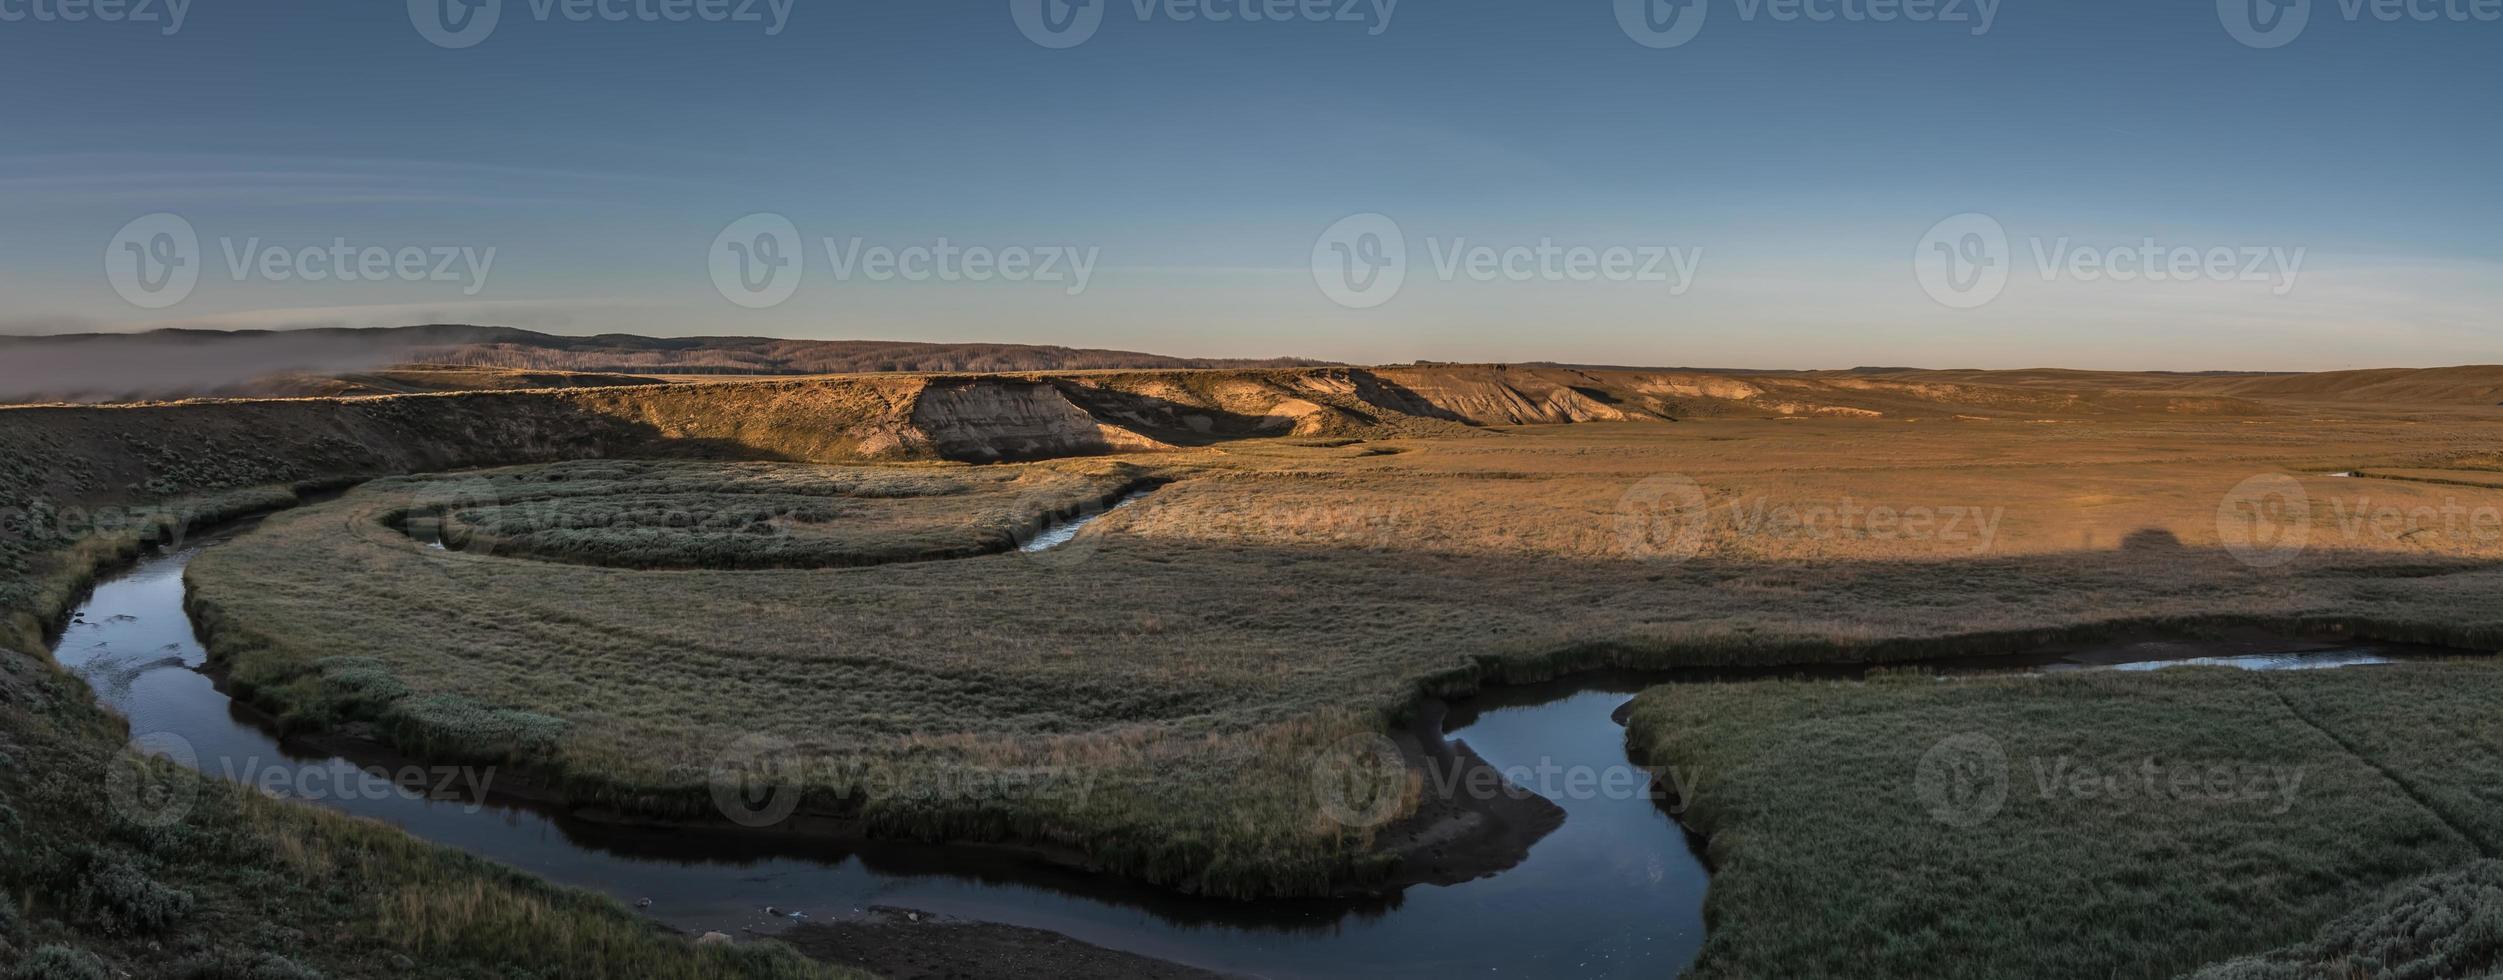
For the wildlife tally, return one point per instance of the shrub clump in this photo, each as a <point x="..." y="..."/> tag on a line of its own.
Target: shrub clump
<point x="455" y="726"/>
<point x="234" y="964"/>
<point x="59" y="963"/>
<point x="112" y="894"/>
<point x="359" y="684"/>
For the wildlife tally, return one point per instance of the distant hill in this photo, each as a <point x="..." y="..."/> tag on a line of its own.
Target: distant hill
<point x="174" y="364"/>
<point x="184" y="363"/>
<point x="502" y="347"/>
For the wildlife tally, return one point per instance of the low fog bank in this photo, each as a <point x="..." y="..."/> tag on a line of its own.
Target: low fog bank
<point x="165" y="364"/>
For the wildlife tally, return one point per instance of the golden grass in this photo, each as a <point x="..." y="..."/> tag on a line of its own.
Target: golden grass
<point x="1188" y="662"/>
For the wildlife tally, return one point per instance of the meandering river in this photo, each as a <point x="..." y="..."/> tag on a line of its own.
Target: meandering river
<point x="1616" y="891"/>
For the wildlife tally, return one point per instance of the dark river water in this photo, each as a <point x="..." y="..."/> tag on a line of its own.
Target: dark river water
<point x="1617" y="891"/>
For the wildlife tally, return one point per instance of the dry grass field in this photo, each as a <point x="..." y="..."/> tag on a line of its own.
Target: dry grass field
<point x="1186" y="662"/>
<point x="1152" y="698"/>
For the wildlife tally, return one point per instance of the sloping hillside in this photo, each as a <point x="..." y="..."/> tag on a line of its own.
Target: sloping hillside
<point x="2468" y="385"/>
<point x="1494" y="395"/>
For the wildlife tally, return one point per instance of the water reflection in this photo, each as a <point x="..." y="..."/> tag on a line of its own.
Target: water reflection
<point x="1615" y="892"/>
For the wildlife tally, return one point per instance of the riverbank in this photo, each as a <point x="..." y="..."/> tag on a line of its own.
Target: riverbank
<point x="907" y="944"/>
<point x="139" y="862"/>
<point x="132" y="641"/>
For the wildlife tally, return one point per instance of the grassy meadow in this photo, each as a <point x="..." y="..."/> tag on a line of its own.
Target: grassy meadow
<point x="2078" y="825"/>
<point x="634" y="514"/>
<point x="1155" y="696"/>
<point x="2443" y="925"/>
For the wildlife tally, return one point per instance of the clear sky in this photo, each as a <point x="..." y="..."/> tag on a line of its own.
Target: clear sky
<point x="1752" y="193"/>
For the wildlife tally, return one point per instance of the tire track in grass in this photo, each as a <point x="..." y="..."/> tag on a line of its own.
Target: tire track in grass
<point x="2484" y="849"/>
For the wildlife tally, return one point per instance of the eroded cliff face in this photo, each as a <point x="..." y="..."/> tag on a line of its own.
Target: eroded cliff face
<point x="1012" y="419"/>
<point x="1495" y="395"/>
<point x="1002" y="417"/>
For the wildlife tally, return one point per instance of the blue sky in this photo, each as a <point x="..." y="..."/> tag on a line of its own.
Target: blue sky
<point x="1799" y="164"/>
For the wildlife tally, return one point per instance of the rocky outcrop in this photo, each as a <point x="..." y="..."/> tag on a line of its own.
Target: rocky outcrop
<point x="1500" y="395"/>
<point x="1006" y="419"/>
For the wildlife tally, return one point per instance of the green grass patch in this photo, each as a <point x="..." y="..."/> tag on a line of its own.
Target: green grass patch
<point x="630" y="514"/>
<point x="2444" y="925"/>
<point x="2102" y="825"/>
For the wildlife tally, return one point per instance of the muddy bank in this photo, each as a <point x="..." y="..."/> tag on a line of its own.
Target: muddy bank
<point x="1456" y="838"/>
<point x="906" y="944"/>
